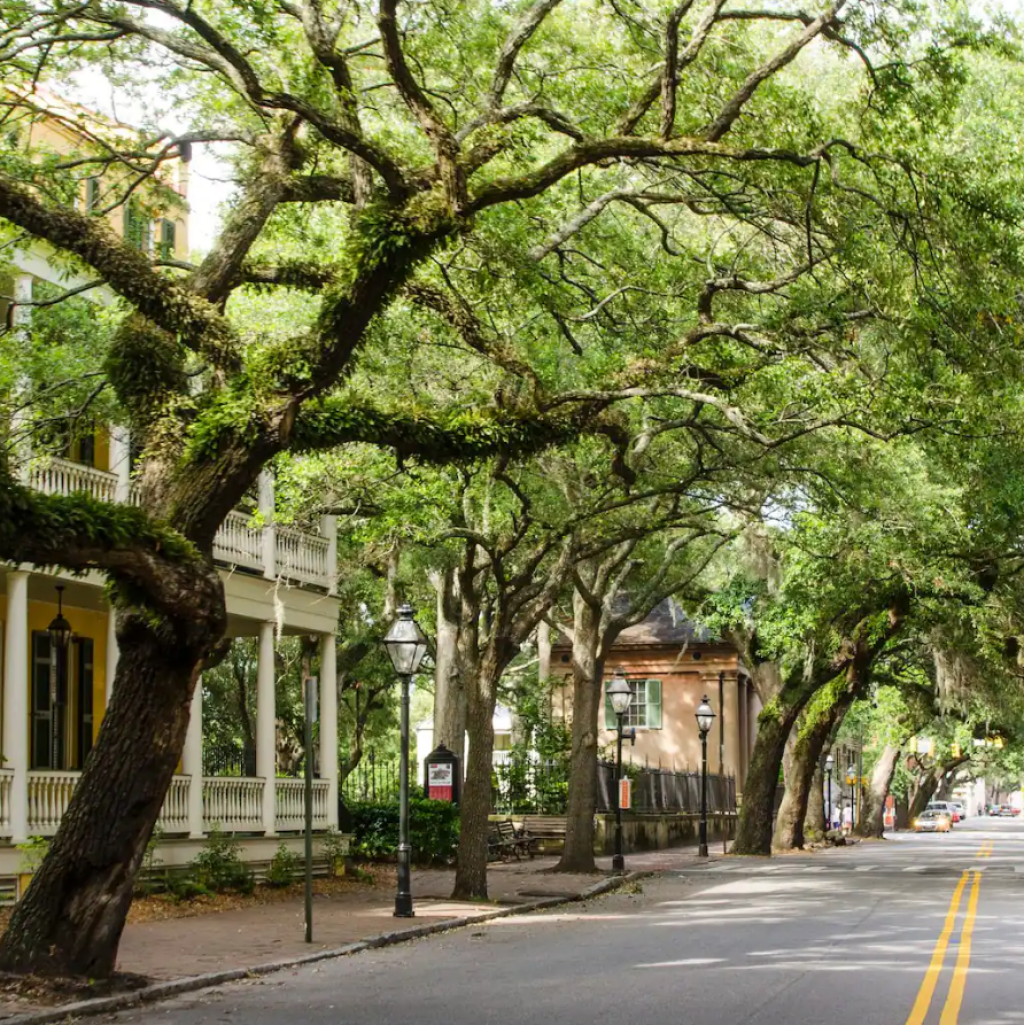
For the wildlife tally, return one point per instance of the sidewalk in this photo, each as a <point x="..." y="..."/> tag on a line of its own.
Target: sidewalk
<point x="178" y="948"/>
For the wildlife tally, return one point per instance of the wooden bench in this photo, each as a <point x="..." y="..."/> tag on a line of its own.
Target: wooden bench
<point x="545" y="832"/>
<point x="506" y="842"/>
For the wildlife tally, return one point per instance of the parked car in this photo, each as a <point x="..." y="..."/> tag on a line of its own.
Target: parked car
<point x="1007" y="811"/>
<point x="932" y="821"/>
<point x="946" y="808"/>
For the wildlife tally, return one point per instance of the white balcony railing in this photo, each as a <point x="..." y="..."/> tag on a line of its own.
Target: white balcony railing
<point x="298" y="555"/>
<point x="174" y="813"/>
<point x="62" y="477"/>
<point x="233" y="803"/>
<point x="230" y="803"/>
<point x="301" y="556"/>
<point x="238" y="543"/>
<point x="48" y="796"/>
<point x="291" y="803"/>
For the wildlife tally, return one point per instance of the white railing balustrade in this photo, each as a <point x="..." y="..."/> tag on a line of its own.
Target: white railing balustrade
<point x="49" y="794"/>
<point x="233" y="803"/>
<point x="291" y="803"/>
<point x="301" y="556"/>
<point x="63" y="477"/>
<point x="238" y="543"/>
<point x="6" y="775"/>
<point x="174" y="813"/>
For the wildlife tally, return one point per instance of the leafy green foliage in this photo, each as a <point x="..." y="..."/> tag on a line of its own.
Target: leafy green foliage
<point x="219" y="866"/>
<point x="433" y="830"/>
<point x="285" y="867"/>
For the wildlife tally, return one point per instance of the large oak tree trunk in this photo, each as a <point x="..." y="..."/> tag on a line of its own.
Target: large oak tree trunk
<point x="475" y="810"/>
<point x="809" y="740"/>
<point x="872" y="819"/>
<point x="72" y="916"/>
<point x="449" y="693"/>
<point x="929" y="783"/>
<point x="587" y="700"/>
<point x="814" y="821"/>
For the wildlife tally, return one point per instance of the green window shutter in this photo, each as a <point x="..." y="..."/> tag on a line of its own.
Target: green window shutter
<point x="167" y="240"/>
<point x="611" y="721"/>
<point x="92" y="194"/>
<point x="654" y="704"/>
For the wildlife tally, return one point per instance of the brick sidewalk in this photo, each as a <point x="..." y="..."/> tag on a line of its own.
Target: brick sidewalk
<point x="178" y="948"/>
<point x="237" y="939"/>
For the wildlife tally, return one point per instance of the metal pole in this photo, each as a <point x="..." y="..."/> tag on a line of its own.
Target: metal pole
<point x="828" y="800"/>
<point x="702" y="850"/>
<point x="618" y="862"/>
<point x="721" y="752"/>
<point x="403" y="899"/>
<point x="308" y="741"/>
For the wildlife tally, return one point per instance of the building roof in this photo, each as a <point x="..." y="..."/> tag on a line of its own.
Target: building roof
<point x="667" y="625"/>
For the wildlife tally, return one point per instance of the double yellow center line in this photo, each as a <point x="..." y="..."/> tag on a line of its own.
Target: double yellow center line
<point x="986" y="849"/>
<point x="955" y="997"/>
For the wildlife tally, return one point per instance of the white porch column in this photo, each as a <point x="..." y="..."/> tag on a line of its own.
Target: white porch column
<point x="266" y="507"/>
<point x="266" y="726"/>
<point x="16" y="685"/>
<point x="21" y="318"/>
<point x="113" y="653"/>
<point x="329" y="530"/>
<point x="329" y="723"/>
<point x="120" y="462"/>
<point x="192" y="762"/>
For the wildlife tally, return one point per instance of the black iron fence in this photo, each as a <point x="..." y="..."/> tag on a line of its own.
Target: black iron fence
<point x="654" y="790"/>
<point x="523" y="786"/>
<point x="375" y="779"/>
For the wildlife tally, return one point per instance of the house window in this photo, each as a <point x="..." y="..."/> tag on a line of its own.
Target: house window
<point x="47" y="717"/>
<point x="168" y="235"/>
<point x="137" y="228"/>
<point x="92" y="195"/>
<point x="644" y="710"/>
<point x="84" y="710"/>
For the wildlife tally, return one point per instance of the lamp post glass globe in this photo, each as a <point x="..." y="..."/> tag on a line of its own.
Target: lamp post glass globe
<point x="406" y="643"/>
<point x="60" y="629"/>
<point x="619" y="693"/>
<point x="705" y="717"/>
<point x="829" y="762"/>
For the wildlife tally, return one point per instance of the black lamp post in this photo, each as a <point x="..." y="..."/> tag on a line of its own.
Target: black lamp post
<point x="705" y="718"/>
<point x="829" y="762"/>
<point x="620" y="695"/>
<point x="406" y="645"/>
<point x="60" y="639"/>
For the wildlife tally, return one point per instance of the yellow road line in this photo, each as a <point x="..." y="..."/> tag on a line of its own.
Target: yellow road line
<point x="985" y="850"/>
<point x="951" y="1011"/>
<point x="919" y="1011"/>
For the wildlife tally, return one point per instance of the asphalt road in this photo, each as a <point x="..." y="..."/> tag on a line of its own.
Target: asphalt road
<point x="918" y="930"/>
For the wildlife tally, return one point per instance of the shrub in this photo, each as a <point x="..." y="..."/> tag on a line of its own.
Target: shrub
<point x="284" y="867"/>
<point x="433" y="829"/>
<point x="33" y="850"/>
<point x="219" y="866"/>
<point x="183" y="887"/>
<point x="334" y="848"/>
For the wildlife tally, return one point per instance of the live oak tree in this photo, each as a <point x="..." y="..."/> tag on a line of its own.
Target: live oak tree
<point x="376" y="142"/>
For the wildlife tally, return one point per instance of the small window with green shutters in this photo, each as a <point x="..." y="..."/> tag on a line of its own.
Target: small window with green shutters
<point x="168" y="237"/>
<point x="644" y="710"/>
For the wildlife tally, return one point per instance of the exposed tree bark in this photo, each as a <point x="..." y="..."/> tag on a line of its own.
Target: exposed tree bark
<point x="71" y="918"/>
<point x="810" y="737"/>
<point x="815" y="826"/>
<point x="449" y="693"/>
<point x="872" y="818"/>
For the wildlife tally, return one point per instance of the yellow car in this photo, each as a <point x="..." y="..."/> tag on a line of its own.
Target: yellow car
<point x="932" y="822"/>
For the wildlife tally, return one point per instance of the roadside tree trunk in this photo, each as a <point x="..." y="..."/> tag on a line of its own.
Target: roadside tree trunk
<point x="587" y="701"/>
<point x="814" y="821"/>
<point x="872" y="819"/>
<point x="449" y="692"/>
<point x="71" y="918"/>
<point x="929" y="783"/>
<point x="811" y="735"/>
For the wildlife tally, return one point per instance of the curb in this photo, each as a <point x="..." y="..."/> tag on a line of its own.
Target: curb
<point x="163" y="990"/>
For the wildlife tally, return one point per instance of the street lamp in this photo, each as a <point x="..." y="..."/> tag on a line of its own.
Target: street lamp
<point x="705" y="718"/>
<point x="620" y="695"/>
<point x="60" y="639"/>
<point x="406" y="644"/>
<point x="829" y="763"/>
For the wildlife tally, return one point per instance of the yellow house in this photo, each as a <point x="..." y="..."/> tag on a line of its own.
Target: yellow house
<point x="278" y="580"/>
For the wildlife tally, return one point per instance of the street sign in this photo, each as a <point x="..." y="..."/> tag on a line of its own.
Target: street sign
<point x="625" y="794"/>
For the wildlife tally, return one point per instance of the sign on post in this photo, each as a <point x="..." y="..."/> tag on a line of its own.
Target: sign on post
<point x="625" y="794"/>
<point x="441" y="775"/>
